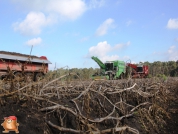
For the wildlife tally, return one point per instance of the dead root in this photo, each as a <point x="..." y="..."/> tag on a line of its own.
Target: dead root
<point x="98" y="107"/>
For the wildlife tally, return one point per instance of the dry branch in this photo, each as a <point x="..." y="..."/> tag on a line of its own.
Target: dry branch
<point x="98" y="106"/>
<point x="122" y="90"/>
<point x="64" y="129"/>
<point x="119" y="129"/>
<point x="84" y="92"/>
<point x="61" y="107"/>
<point x="145" y="103"/>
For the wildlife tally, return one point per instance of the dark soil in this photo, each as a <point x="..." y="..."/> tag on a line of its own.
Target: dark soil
<point x="172" y="123"/>
<point x="32" y="121"/>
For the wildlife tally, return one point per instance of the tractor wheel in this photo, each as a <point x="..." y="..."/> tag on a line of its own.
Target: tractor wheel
<point x="39" y="76"/>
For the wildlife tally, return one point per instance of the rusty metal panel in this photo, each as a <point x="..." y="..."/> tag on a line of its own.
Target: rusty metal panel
<point x="23" y="58"/>
<point x="3" y="66"/>
<point x="27" y="67"/>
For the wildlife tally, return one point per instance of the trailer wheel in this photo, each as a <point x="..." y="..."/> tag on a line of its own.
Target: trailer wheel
<point x="29" y="77"/>
<point x="39" y="76"/>
<point x="18" y="76"/>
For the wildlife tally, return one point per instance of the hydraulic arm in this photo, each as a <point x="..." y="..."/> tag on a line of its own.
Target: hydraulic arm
<point x="100" y="63"/>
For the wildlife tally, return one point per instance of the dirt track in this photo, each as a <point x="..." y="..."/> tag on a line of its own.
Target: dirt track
<point x="151" y="106"/>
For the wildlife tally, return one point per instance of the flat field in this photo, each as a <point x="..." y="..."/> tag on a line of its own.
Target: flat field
<point x="129" y="106"/>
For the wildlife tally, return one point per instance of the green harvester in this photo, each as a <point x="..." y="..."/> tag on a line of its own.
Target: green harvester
<point x="111" y="70"/>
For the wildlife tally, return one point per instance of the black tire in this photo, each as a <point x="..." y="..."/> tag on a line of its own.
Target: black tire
<point x="110" y="76"/>
<point x="122" y="76"/>
<point x="39" y="76"/>
<point x="29" y="77"/>
<point x="18" y="76"/>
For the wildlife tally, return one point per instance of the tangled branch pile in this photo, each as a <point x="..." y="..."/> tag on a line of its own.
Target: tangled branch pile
<point x="96" y="107"/>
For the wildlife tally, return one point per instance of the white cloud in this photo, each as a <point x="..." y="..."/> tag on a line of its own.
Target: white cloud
<point x="102" y="50"/>
<point x="54" y="10"/>
<point x="34" y="41"/>
<point x="104" y="27"/>
<point x="40" y="12"/>
<point x="121" y="45"/>
<point x="66" y="9"/>
<point x="109" y="58"/>
<point x="33" y="23"/>
<point x="173" y="53"/>
<point x="172" y="24"/>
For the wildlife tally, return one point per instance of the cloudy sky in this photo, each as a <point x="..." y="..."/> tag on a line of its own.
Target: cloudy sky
<point x="69" y="32"/>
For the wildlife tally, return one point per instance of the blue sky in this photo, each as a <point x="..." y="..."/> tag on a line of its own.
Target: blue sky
<point x="69" y="32"/>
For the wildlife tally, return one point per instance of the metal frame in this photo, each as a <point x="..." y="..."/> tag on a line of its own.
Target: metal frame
<point x="23" y="58"/>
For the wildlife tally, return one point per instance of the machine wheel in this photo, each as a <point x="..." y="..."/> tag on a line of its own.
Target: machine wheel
<point x="39" y="76"/>
<point x="110" y="76"/>
<point x="18" y="76"/>
<point x="29" y="77"/>
<point x="122" y="76"/>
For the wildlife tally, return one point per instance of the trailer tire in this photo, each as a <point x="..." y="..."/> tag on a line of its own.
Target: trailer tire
<point x="29" y="77"/>
<point x="18" y="76"/>
<point x="39" y="76"/>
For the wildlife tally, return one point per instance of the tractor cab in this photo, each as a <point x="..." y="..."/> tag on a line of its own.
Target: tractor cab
<point x="109" y="66"/>
<point x="139" y="68"/>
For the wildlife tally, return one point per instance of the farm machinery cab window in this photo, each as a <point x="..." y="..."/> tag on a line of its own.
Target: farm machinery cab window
<point x="140" y="69"/>
<point x="109" y="66"/>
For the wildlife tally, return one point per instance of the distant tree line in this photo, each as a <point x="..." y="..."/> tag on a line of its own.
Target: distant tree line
<point x="169" y="68"/>
<point x="156" y="69"/>
<point x="83" y="73"/>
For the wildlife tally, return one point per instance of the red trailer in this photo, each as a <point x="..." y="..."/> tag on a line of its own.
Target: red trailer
<point x="138" y="71"/>
<point x="22" y="66"/>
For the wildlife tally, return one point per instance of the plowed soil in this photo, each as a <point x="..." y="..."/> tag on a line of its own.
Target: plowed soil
<point x="34" y="121"/>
